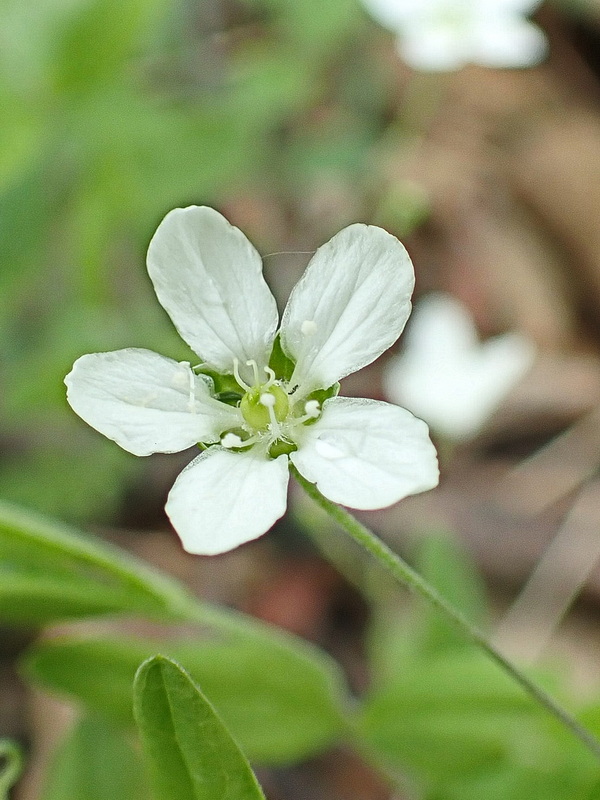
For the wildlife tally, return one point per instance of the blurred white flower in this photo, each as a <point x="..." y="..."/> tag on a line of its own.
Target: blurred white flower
<point x="443" y="35"/>
<point x="261" y="398"/>
<point x="447" y="376"/>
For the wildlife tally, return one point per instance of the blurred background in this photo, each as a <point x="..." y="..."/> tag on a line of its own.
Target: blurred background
<point x="295" y="118"/>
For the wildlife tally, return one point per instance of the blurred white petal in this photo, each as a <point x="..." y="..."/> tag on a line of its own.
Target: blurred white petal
<point x="450" y="379"/>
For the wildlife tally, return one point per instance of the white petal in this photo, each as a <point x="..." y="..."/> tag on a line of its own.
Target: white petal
<point x="440" y="327"/>
<point x="350" y="305"/>
<point x="451" y="380"/>
<point x="208" y="277"/>
<point x="515" y="6"/>
<point x="145" y="402"/>
<point x="509" y="42"/>
<point x="434" y="48"/>
<point x="366" y="454"/>
<point x="223" y="499"/>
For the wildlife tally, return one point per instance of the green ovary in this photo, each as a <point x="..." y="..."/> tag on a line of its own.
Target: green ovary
<point x="257" y="414"/>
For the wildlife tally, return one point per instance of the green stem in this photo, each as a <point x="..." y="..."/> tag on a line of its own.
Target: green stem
<point x="405" y="575"/>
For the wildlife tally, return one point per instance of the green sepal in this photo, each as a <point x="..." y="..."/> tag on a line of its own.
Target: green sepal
<point x="223" y="384"/>
<point x="282" y="365"/>
<point x="229" y="397"/>
<point x="281" y="448"/>
<point x="320" y="395"/>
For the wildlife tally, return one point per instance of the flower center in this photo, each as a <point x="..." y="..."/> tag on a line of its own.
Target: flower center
<point x="262" y="403"/>
<point x="270" y="416"/>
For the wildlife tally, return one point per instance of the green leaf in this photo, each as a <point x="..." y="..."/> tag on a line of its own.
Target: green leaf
<point x="445" y="564"/>
<point x="190" y="753"/>
<point x="95" y="762"/>
<point x="11" y="765"/>
<point x="448" y="715"/>
<point x="98" y="39"/>
<point x="281" y="701"/>
<point x="400" y="641"/>
<point x="50" y="572"/>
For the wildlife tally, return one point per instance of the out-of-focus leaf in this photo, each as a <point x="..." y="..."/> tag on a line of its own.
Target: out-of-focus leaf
<point x="398" y="643"/>
<point x="447" y="715"/>
<point x="281" y="701"/>
<point x="50" y="572"/>
<point x="447" y="567"/>
<point x="98" y="37"/>
<point x="11" y="764"/>
<point x="190" y="753"/>
<point x="95" y="762"/>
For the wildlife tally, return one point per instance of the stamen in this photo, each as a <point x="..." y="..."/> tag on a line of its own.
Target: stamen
<point x="252" y="363"/>
<point x="308" y="327"/>
<point x="312" y="408"/>
<point x="236" y="375"/>
<point x="271" y="375"/>
<point x="231" y="440"/>
<point x="267" y="400"/>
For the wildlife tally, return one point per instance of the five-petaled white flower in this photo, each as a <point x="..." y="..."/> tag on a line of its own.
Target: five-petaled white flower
<point x="261" y="397"/>
<point x="443" y="35"/>
<point x="447" y="376"/>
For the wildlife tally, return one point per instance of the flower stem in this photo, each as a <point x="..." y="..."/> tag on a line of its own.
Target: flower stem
<point x="405" y="575"/>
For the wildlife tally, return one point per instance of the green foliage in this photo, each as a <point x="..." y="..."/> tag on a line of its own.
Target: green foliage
<point x="281" y="703"/>
<point x="95" y="762"/>
<point x="49" y="572"/>
<point x="446" y="714"/>
<point x="112" y="114"/>
<point x="190" y="753"/>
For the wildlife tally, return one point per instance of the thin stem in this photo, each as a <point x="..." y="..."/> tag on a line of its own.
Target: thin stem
<point x="405" y="575"/>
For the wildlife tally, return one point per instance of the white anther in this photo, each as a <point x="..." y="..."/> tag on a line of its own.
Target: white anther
<point x="267" y="400"/>
<point x="308" y="327"/>
<point x="312" y="408"/>
<point x="236" y="375"/>
<point x="252" y="363"/>
<point x="231" y="440"/>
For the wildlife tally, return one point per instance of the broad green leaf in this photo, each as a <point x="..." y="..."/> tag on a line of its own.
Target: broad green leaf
<point x="281" y="701"/>
<point x="189" y="751"/>
<point x="49" y="572"/>
<point x="95" y="762"/>
<point x="446" y="565"/>
<point x="400" y="641"/>
<point x="448" y="715"/>
<point x="11" y="764"/>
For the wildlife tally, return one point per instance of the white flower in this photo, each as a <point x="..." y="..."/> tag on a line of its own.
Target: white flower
<point x="448" y="377"/>
<point x="441" y="35"/>
<point x="260" y="397"/>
